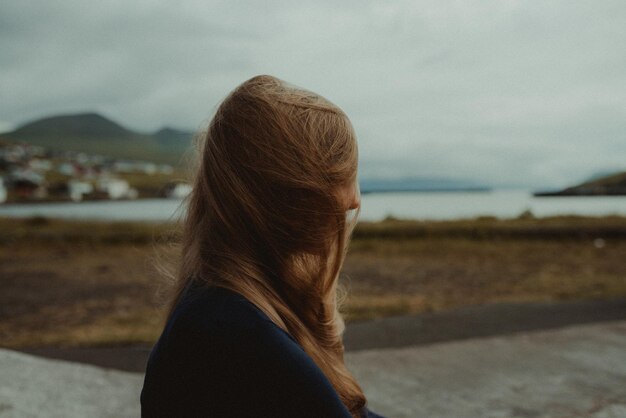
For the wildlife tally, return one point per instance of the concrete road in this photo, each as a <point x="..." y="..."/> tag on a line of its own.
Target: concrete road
<point x="578" y="371"/>
<point x="35" y="387"/>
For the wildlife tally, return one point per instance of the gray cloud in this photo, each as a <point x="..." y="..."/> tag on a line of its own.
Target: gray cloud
<point x="512" y="92"/>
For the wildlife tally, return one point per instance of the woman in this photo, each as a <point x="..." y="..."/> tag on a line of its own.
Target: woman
<point x="254" y="327"/>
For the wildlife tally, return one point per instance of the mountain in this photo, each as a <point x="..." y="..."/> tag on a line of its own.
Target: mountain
<point x="610" y="185"/>
<point x="93" y="133"/>
<point x="87" y="125"/>
<point x="418" y="184"/>
<point x="170" y="134"/>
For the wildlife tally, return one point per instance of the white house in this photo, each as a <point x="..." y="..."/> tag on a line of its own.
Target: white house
<point x="76" y="189"/>
<point x="67" y="168"/>
<point x="116" y="188"/>
<point x="178" y="191"/>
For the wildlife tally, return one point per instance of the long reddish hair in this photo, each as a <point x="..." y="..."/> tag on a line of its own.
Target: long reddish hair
<point x="265" y="218"/>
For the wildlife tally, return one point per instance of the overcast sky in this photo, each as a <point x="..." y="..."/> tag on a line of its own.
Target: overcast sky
<point x="503" y="92"/>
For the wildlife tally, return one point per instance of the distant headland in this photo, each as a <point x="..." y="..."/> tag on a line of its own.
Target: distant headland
<point x="610" y="185"/>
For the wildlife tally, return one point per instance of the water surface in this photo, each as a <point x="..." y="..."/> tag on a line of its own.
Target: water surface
<point x="374" y="206"/>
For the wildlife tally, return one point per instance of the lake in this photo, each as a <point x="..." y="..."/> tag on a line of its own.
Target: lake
<point x="374" y="206"/>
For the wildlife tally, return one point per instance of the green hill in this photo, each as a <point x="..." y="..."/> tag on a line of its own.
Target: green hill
<point x="95" y="134"/>
<point x="611" y="185"/>
<point x="88" y="125"/>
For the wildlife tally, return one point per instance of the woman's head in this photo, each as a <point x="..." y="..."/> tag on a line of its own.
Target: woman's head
<point x="267" y="217"/>
<point x="276" y="165"/>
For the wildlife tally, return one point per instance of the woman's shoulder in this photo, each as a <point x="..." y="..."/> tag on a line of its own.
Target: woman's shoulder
<point x="210" y="304"/>
<point x="218" y="349"/>
<point x="217" y="315"/>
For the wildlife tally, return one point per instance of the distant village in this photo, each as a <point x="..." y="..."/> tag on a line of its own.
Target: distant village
<point x="30" y="173"/>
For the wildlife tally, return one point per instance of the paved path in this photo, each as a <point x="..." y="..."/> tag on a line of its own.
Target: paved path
<point x="578" y="371"/>
<point x="400" y="331"/>
<point x="485" y="320"/>
<point x="35" y="387"/>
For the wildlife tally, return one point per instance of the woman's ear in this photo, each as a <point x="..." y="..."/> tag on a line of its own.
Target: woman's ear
<point x="350" y="196"/>
<point x="354" y="200"/>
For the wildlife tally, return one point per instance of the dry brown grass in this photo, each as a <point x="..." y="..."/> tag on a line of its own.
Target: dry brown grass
<point x="436" y="274"/>
<point x="77" y="294"/>
<point x="90" y="283"/>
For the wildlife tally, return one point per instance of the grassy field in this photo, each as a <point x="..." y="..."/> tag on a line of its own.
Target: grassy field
<point x="94" y="283"/>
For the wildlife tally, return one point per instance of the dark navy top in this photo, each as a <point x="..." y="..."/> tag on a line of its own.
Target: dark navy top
<point x="221" y="356"/>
